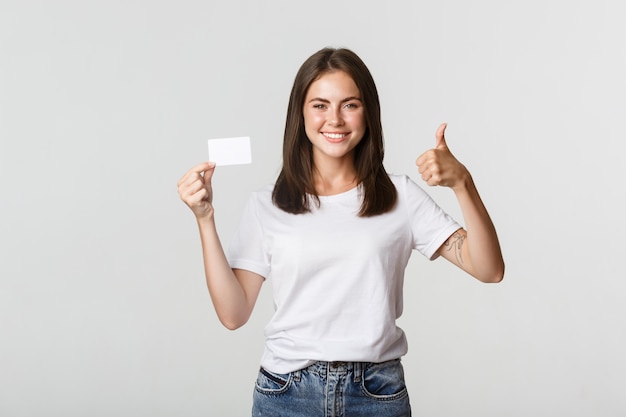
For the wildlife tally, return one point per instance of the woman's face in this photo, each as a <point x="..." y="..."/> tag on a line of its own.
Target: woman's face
<point x="334" y="118"/>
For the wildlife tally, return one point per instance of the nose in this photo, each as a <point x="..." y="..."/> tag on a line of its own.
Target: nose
<point x="334" y="117"/>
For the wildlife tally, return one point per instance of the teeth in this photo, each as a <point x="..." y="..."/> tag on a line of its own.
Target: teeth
<point x="335" y="135"/>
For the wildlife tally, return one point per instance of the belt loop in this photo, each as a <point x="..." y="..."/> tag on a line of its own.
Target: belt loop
<point x="297" y="375"/>
<point x="358" y="371"/>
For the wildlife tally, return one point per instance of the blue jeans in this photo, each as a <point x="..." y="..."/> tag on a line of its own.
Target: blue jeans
<point x="333" y="389"/>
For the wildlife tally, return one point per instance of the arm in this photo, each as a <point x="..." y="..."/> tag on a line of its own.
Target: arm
<point x="233" y="291"/>
<point x="477" y="249"/>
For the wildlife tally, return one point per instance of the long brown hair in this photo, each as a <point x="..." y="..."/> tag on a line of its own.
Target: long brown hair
<point x="295" y="180"/>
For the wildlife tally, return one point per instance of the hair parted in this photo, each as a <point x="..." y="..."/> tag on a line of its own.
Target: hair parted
<point x="295" y="181"/>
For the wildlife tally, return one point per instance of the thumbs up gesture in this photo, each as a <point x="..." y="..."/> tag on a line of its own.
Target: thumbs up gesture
<point x="438" y="166"/>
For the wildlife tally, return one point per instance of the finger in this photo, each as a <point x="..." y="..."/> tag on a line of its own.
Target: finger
<point x="434" y="181"/>
<point x="208" y="172"/>
<point x="202" y="166"/>
<point x="423" y="158"/>
<point x="198" y="169"/>
<point x="440" y="136"/>
<point x="197" y="197"/>
<point x="432" y="176"/>
<point x="194" y="186"/>
<point x="194" y="192"/>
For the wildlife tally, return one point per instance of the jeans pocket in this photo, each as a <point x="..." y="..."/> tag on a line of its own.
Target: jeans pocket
<point x="268" y="382"/>
<point x="384" y="381"/>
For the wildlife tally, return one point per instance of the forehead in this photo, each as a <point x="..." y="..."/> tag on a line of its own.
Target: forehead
<point x="334" y="84"/>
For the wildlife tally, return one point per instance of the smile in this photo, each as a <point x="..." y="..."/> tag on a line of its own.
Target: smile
<point x="334" y="135"/>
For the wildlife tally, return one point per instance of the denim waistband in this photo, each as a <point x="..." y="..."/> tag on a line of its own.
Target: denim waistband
<point x="323" y="369"/>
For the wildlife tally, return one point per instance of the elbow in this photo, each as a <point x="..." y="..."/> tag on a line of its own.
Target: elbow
<point x="232" y="327"/>
<point x="232" y="318"/>
<point x="493" y="277"/>
<point x="232" y="323"/>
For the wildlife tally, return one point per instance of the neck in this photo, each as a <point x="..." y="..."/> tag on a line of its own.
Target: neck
<point x="331" y="183"/>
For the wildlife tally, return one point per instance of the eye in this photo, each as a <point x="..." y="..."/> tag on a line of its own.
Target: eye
<point x="351" y="106"/>
<point x="319" y="106"/>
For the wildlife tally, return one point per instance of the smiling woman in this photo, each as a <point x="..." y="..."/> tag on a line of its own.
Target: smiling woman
<point x="336" y="220"/>
<point x="334" y="123"/>
<point x="333" y="93"/>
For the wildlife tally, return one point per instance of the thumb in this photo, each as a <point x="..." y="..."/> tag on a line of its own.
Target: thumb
<point x="208" y="173"/>
<point x="440" y="136"/>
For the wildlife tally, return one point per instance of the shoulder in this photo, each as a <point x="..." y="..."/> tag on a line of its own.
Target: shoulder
<point x="262" y="197"/>
<point x="264" y="191"/>
<point x="399" y="179"/>
<point x="404" y="183"/>
<point x="408" y="189"/>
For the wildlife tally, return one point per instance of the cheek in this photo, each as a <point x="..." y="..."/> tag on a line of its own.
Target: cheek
<point x="312" y="121"/>
<point x="356" y="120"/>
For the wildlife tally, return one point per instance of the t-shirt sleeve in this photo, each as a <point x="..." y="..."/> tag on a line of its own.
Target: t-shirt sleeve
<point x="431" y="226"/>
<point x="247" y="249"/>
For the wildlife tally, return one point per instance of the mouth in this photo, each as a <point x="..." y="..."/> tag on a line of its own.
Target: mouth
<point x="334" y="137"/>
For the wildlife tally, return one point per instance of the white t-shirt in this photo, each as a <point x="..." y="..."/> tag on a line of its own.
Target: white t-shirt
<point x="337" y="278"/>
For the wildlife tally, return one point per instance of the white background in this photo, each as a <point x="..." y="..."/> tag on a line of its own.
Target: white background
<point x="105" y="104"/>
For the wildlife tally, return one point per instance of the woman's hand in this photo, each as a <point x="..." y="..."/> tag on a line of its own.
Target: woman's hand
<point x="439" y="167"/>
<point x="194" y="188"/>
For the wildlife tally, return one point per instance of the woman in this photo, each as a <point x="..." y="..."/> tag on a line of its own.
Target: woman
<point x="335" y="233"/>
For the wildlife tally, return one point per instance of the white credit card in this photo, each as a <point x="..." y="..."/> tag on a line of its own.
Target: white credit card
<point x="230" y="151"/>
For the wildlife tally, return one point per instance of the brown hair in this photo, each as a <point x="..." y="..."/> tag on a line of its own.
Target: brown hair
<point x="295" y="180"/>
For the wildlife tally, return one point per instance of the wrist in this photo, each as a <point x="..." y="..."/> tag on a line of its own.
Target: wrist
<point x="464" y="183"/>
<point x="206" y="216"/>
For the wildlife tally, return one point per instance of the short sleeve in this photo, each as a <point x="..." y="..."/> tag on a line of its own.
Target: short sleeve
<point x="431" y="226"/>
<point x="247" y="248"/>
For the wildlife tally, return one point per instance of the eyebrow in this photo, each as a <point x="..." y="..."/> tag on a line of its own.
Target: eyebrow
<point x="323" y="100"/>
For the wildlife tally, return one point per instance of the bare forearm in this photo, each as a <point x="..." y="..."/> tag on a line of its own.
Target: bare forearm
<point x="228" y="295"/>
<point x="481" y="249"/>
